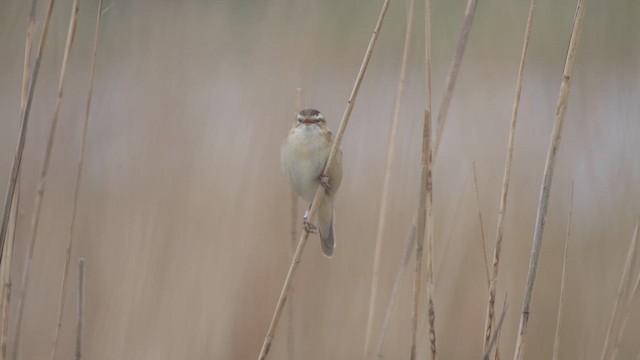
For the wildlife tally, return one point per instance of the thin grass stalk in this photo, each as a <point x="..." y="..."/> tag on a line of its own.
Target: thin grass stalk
<point x="293" y="198"/>
<point x="452" y="75"/>
<point x="320" y="191"/>
<point x="622" y="289"/>
<point x="429" y="178"/>
<point x="80" y="309"/>
<point x="547" y="177"/>
<point x="6" y="274"/>
<point x="494" y="339"/>
<point x="483" y="242"/>
<point x="556" y="342"/>
<point x="15" y="201"/>
<point x="43" y="175"/>
<point x="408" y="249"/>
<point x="384" y="199"/>
<point x="72" y="228"/>
<point x="407" y="252"/>
<point x="22" y="135"/>
<point x="625" y="319"/>
<point x="424" y="222"/>
<point x="506" y="178"/>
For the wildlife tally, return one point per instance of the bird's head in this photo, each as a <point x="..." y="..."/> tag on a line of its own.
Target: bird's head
<point x="309" y="117"/>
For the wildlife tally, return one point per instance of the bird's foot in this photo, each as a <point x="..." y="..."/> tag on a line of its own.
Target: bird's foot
<point x="309" y="227"/>
<point x="324" y="181"/>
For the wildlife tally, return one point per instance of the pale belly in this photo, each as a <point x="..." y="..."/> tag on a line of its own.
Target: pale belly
<point x="303" y="156"/>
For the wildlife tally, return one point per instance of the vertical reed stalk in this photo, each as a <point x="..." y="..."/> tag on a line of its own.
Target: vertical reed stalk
<point x="408" y="249"/>
<point x="556" y="342"/>
<point x="548" y="175"/>
<point x="625" y="320"/>
<point x="483" y="243"/>
<point x="65" y="273"/>
<point x="13" y="213"/>
<point x="424" y="222"/>
<point x="506" y="178"/>
<point x="43" y="175"/>
<point x="22" y="135"/>
<point x="286" y="288"/>
<point x="622" y="291"/>
<point x="494" y="339"/>
<point x="80" y="309"/>
<point x="384" y="199"/>
<point x="450" y="81"/>
<point x="294" y="235"/>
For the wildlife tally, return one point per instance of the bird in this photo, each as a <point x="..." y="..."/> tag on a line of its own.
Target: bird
<point x="303" y="156"/>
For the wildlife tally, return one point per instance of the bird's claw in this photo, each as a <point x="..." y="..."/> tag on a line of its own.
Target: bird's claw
<point x="309" y="227"/>
<point x="324" y="181"/>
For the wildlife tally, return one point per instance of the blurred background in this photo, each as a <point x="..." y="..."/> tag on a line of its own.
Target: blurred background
<point x="183" y="214"/>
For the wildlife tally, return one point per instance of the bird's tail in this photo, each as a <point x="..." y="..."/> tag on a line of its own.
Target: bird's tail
<point x="325" y="227"/>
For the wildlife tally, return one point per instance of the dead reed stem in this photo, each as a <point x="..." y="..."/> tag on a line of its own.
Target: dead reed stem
<point x="408" y="249"/>
<point x="43" y="175"/>
<point x="65" y="272"/>
<point x="547" y="177"/>
<point x="22" y="135"/>
<point x="450" y="81"/>
<point x="494" y="338"/>
<point x="294" y="235"/>
<point x="407" y="252"/>
<point x="80" y="309"/>
<point x="625" y="320"/>
<point x="556" y="342"/>
<point x="384" y="199"/>
<point x="10" y="234"/>
<point x="622" y="291"/>
<point x="506" y="178"/>
<point x="483" y="243"/>
<point x="6" y="275"/>
<point x="320" y="191"/>
<point x="424" y="222"/>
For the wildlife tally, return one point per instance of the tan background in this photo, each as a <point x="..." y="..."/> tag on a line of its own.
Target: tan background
<point x="184" y="215"/>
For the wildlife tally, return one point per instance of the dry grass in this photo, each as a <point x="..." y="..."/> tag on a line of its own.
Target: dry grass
<point x="623" y="288"/>
<point x="506" y="178"/>
<point x="44" y="170"/>
<point x="78" y="182"/>
<point x="548" y="176"/>
<point x="80" y="309"/>
<point x="384" y="198"/>
<point x="556" y="341"/>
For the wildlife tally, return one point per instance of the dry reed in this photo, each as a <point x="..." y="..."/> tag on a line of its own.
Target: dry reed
<point x="556" y="341"/>
<point x="320" y="191"/>
<point x="65" y="272"/>
<point x="43" y="173"/>
<point x="622" y="290"/>
<point x="483" y="242"/>
<point x="452" y="75"/>
<point x="80" y="309"/>
<point x="22" y="135"/>
<point x="625" y="320"/>
<point x="424" y="221"/>
<point x="384" y="199"/>
<point x="408" y="249"/>
<point x="294" y="235"/>
<point x="506" y="178"/>
<point x="13" y="215"/>
<point x="547" y="177"/>
<point x="494" y="339"/>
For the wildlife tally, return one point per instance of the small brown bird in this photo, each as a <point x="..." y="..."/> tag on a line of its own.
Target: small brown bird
<point x="303" y="156"/>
